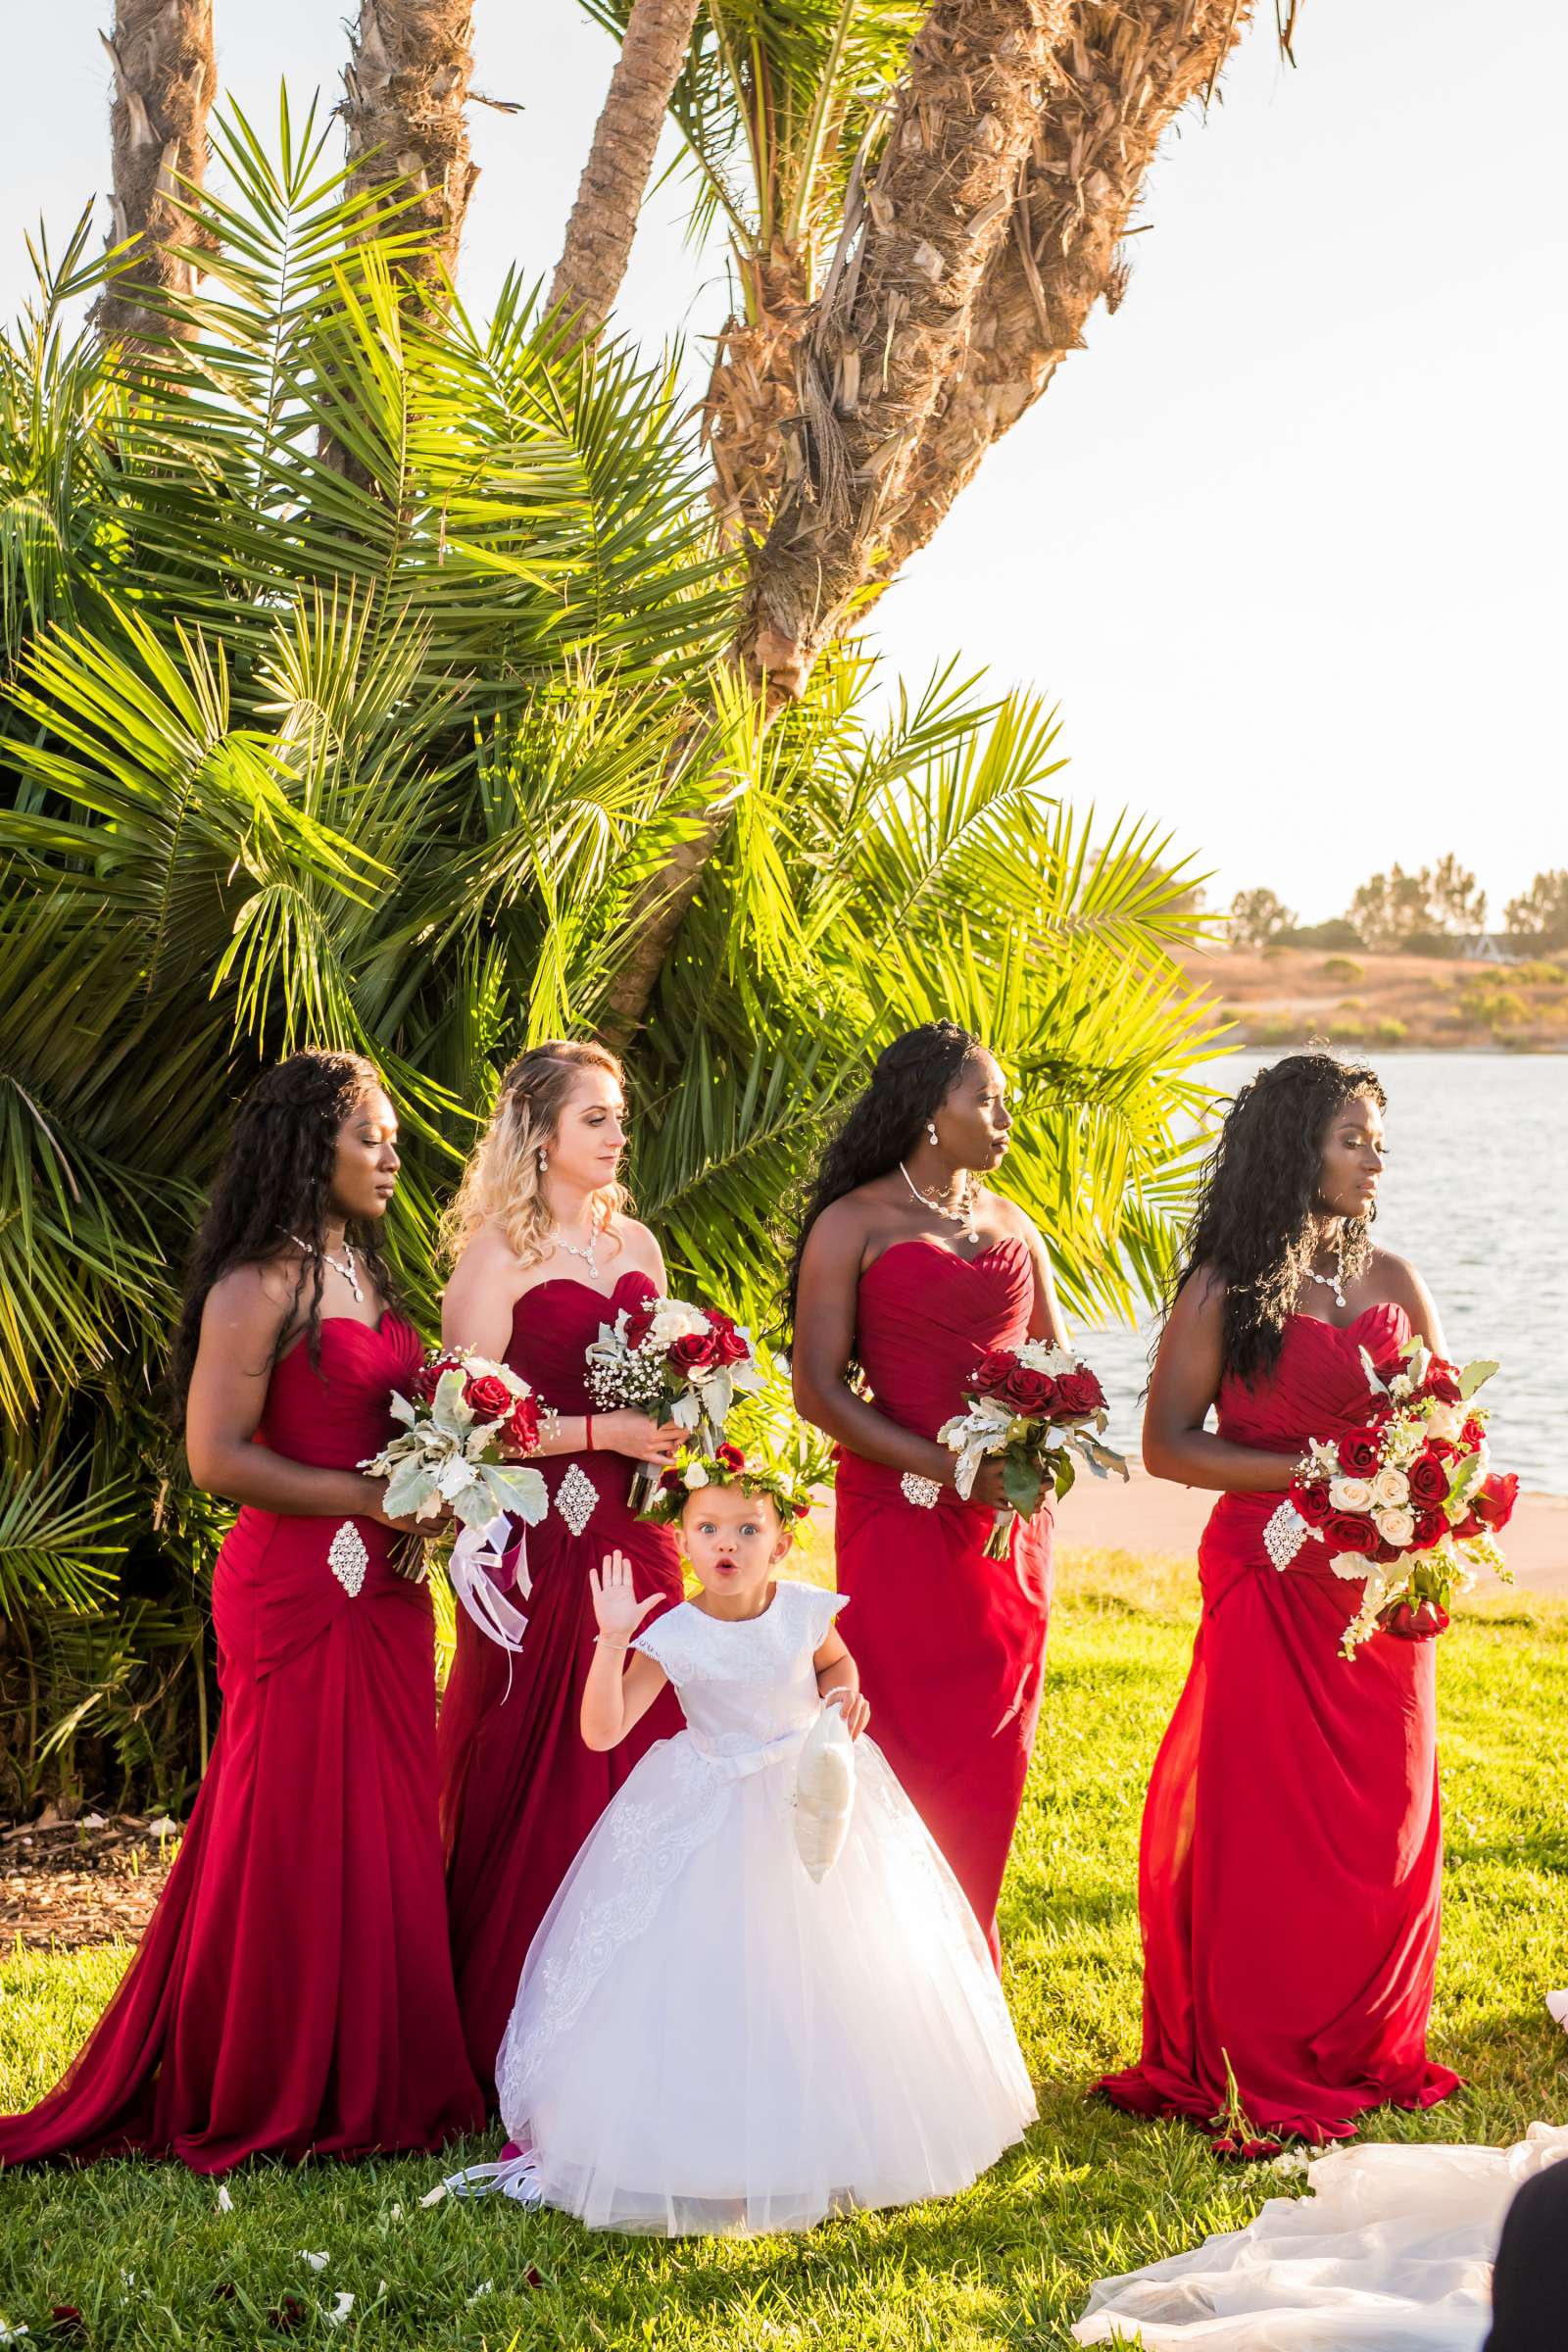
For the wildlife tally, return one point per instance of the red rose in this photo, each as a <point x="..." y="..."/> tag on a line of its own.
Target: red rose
<point x="1472" y="1435"/>
<point x="639" y="1323"/>
<point x="430" y="1374"/>
<point x="732" y="1458"/>
<point x="1001" y="1375"/>
<point x="1441" y="1381"/>
<point x="487" y="1396"/>
<point x="521" y="1426"/>
<point x="1342" y="1531"/>
<point x="1431" y="1525"/>
<point x="1079" y="1392"/>
<point x="730" y="1348"/>
<point x="673" y="1483"/>
<point x="1493" y="1500"/>
<point x="1429" y="1481"/>
<point x="1415" y="1621"/>
<point x="1313" y="1504"/>
<point x="802" y="1510"/>
<point x="1360" y="1452"/>
<point x="1443" y="1447"/>
<point x="696" y="1352"/>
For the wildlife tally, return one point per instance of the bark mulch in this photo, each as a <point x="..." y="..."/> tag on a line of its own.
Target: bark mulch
<point x="67" y="1884"/>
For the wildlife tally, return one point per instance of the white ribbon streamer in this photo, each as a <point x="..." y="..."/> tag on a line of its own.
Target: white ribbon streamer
<point x="477" y="1551"/>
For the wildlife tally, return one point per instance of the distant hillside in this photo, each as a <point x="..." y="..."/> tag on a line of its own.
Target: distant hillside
<point x="1283" y="996"/>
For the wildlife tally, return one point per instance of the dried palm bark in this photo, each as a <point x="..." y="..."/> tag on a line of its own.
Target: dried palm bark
<point x="614" y="178"/>
<point x="892" y="322"/>
<point x="1123" y="73"/>
<point x="165" y="82"/>
<point x="752" y="400"/>
<point x="406" y="93"/>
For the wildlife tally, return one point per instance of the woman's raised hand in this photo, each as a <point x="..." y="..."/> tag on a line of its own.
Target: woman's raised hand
<point x="639" y="1435"/>
<point x="615" y="1605"/>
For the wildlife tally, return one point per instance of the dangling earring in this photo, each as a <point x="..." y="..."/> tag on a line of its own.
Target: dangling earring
<point x="544" y="1163"/>
<point x="931" y="1130"/>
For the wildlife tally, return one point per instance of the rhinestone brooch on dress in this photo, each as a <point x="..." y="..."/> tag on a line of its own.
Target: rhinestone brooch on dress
<point x="576" y="1498"/>
<point x="1285" y="1534"/>
<point x="923" y="1492"/>
<point x="347" y="1558"/>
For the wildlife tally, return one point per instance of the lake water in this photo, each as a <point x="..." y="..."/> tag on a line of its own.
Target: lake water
<point x="1475" y="1193"/>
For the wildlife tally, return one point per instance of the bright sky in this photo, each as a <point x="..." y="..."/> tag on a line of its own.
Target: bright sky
<point x="1282" y="542"/>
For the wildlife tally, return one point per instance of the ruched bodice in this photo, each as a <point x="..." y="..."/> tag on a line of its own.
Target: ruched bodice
<point x="1318" y="1387"/>
<point x="337" y="1414"/>
<point x="552" y="1326"/>
<point x="925" y="1315"/>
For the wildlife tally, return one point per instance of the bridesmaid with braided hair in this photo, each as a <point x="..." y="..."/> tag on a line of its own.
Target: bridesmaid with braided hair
<point x="292" y="1995"/>
<point x="908" y="1268"/>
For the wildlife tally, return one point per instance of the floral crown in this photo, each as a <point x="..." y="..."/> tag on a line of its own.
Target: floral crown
<point x="728" y="1466"/>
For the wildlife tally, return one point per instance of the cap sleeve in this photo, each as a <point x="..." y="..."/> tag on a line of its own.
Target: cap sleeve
<point x="817" y="1610"/>
<point x="664" y="1642"/>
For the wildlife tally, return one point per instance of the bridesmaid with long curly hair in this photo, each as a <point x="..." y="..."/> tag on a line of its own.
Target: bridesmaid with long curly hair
<point x="292" y="1995"/>
<point x="907" y="1269"/>
<point x="1291" y="1849"/>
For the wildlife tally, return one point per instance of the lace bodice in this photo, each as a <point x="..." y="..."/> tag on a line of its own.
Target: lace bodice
<point x="743" y="1686"/>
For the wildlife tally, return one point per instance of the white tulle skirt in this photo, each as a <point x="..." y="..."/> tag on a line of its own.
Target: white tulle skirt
<point x="1391" y="2252"/>
<point x="705" y="2040"/>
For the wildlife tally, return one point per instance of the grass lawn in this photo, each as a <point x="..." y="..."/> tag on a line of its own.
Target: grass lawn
<point x="148" y="2257"/>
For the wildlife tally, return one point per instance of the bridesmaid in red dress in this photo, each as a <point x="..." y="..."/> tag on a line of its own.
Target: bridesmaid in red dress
<point x="1292" y="1852"/>
<point x="545" y="1254"/>
<point x="292" y="1994"/>
<point x="906" y="1271"/>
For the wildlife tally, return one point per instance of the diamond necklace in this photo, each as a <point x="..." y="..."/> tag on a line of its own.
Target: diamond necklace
<point x="1334" y="1282"/>
<point x="344" y="1265"/>
<point x="962" y="1215"/>
<point x="587" y="1253"/>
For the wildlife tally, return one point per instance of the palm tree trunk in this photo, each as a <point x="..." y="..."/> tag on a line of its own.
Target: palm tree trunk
<point x="752" y="402"/>
<point x="614" y="178"/>
<point x="1125" y="73"/>
<point x="893" y="319"/>
<point x="165" y="82"/>
<point x="406" y="94"/>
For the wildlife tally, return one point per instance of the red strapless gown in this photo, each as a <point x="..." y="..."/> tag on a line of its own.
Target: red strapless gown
<point x="292" y="1994"/>
<point x="520" y="1789"/>
<point x="1292" y="1852"/>
<point x="950" y="1644"/>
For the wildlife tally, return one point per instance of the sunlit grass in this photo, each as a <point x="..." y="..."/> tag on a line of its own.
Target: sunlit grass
<point x="1006" y="2265"/>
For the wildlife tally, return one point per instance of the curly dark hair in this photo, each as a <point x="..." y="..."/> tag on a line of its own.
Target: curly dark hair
<point x="1253" y="1224"/>
<point x="275" y="1179"/>
<point x="911" y="1079"/>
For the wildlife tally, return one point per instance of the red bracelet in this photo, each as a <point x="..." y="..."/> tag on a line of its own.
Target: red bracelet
<point x="588" y="1434"/>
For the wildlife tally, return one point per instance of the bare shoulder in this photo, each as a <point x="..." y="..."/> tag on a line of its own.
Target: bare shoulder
<point x="1397" y="1279"/>
<point x="639" y="1244"/>
<point x="255" y="1298"/>
<point x="488" y="1257"/>
<point x="1013" y="1220"/>
<point x="1200" y="1304"/>
<point x="842" y="1227"/>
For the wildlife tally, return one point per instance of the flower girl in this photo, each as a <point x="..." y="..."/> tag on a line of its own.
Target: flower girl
<point x="705" y="2037"/>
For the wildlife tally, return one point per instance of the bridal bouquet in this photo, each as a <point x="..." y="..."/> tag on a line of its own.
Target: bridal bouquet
<point x="1036" y="1407"/>
<point x="1407" y="1500"/>
<point x="676" y="1362"/>
<point x="463" y="1412"/>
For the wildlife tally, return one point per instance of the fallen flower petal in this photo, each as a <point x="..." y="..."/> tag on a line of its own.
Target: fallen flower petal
<point x="340" y="2310"/>
<point x="317" y="2262"/>
<point x="225" y="2203"/>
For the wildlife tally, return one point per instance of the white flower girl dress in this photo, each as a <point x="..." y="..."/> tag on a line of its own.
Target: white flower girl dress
<point x="705" y="2040"/>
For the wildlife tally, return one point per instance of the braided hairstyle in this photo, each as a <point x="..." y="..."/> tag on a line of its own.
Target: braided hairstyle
<point x="911" y="1080"/>
<point x="275" y="1179"/>
<point x="1253" y="1224"/>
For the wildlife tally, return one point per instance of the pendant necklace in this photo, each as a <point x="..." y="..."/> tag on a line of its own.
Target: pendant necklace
<point x="343" y="1265"/>
<point x="962" y="1215"/>
<point x="1334" y="1282"/>
<point x="588" y="1255"/>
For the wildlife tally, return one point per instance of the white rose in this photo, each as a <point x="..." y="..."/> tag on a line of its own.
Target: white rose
<point x="1445" y="1421"/>
<point x="1395" y="1527"/>
<point x="694" y="1476"/>
<point x="674" y="1320"/>
<point x="1391" y="1488"/>
<point x="1350" y="1494"/>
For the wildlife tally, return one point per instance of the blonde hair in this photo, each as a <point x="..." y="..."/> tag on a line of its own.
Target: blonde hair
<point x="502" y="1181"/>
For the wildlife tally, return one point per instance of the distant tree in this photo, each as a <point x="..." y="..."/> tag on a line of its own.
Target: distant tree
<point x="1541" y="915"/>
<point x="1457" y="904"/>
<point x="1395" y="909"/>
<point x="1257" y="916"/>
